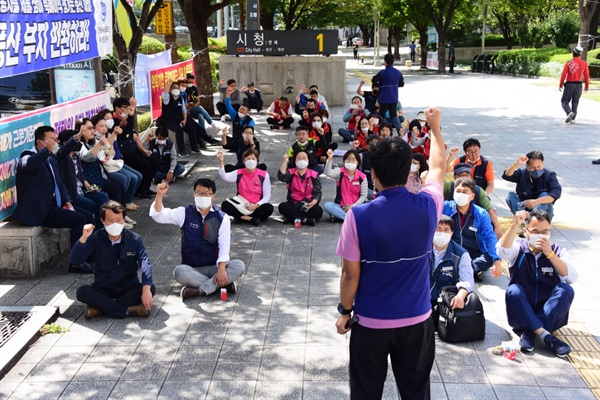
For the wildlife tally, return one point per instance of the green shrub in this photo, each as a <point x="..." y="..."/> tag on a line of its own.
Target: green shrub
<point x="533" y="34"/>
<point x="593" y="57"/>
<point x="144" y="121"/>
<point x="218" y="45"/>
<point x="564" y="27"/>
<point x="551" y="69"/>
<point x="528" y="56"/>
<point x="151" y="46"/>
<point x="183" y="53"/>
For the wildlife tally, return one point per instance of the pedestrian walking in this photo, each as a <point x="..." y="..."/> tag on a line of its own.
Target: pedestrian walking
<point x="573" y="73"/>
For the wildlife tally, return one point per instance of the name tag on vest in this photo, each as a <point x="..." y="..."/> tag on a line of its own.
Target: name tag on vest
<point x="472" y="228"/>
<point x="444" y="269"/>
<point x="547" y="270"/>
<point x="130" y="253"/>
<point x="355" y="183"/>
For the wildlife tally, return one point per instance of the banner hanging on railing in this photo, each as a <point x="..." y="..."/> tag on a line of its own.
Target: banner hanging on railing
<point x="159" y="79"/>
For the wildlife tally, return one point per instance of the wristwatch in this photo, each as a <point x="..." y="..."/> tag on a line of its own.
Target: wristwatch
<point x="343" y="311"/>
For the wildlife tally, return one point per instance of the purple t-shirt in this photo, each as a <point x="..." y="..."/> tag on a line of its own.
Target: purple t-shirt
<point x="349" y="249"/>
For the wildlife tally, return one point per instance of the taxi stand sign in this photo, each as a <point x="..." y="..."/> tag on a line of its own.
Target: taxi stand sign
<point x="278" y="43"/>
<point x="164" y="19"/>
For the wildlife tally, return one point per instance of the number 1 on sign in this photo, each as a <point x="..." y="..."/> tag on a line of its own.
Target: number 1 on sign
<point x="320" y="39"/>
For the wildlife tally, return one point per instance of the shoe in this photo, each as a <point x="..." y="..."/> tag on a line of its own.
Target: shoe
<point x="142" y="195"/>
<point x="332" y="219"/>
<point x="274" y="127"/>
<point x="570" y="117"/>
<point x="83" y="268"/>
<point x="195" y="152"/>
<point x="129" y="220"/>
<point x="128" y="226"/>
<point x="91" y="312"/>
<point x="231" y="288"/>
<point x="281" y="127"/>
<point x="151" y="192"/>
<point x="183" y="154"/>
<point x="187" y="292"/>
<point x="203" y="146"/>
<point x="138" y="311"/>
<point x="527" y="340"/>
<point x="215" y="142"/>
<point x="478" y="276"/>
<point x="132" y="207"/>
<point x="212" y="123"/>
<point x="223" y="118"/>
<point x="596" y="162"/>
<point x="255" y="221"/>
<point x="310" y="221"/>
<point x="286" y="221"/>
<point x="560" y="348"/>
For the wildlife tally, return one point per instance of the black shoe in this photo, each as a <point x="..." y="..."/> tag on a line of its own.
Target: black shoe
<point x="203" y="145"/>
<point x="310" y="221"/>
<point x="142" y="195"/>
<point x="215" y="142"/>
<point x="151" y="192"/>
<point x="332" y="219"/>
<point x="83" y="268"/>
<point x="255" y="221"/>
<point x="287" y="221"/>
<point x="596" y="162"/>
<point x="478" y="276"/>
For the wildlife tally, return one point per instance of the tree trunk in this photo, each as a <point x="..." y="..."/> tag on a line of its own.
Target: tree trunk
<point x="441" y="49"/>
<point x="389" y="39"/>
<point x="266" y="20"/>
<point x="202" y="69"/>
<point x="423" y="43"/>
<point x="397" y="42"/>
<point x="242" y="14"/>
<point x="586" y="13"/>
<point x="594" y="28"/>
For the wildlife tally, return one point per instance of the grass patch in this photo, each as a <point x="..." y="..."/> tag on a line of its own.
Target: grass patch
<point x="52" y="328"/>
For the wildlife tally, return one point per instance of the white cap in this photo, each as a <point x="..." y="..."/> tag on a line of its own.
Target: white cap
<point x="578" y="50"/>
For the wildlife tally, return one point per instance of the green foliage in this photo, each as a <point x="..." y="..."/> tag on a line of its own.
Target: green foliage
<point x="564" y="27"/>
<point x="183" y="53"/>
<point x="593" y="57"/>
<point x="214" y="68"/>
<point x="144" y="121"/>
<point x="151" y="46"/>
<point x="218" y="45"/>
<point x="533" y="33"/>
<point x="491" y="40"/>
<point x="527" y="56"/>
<point x="533" y="62"/>
<point x="52" y="328"/>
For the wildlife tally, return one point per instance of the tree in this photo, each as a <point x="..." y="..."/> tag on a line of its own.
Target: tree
<point x="441" y="13"/>
<point x="197" y="13"/>
<point x="127" y="54"/>
<point x="415" y="12"/>
<point x="587" y="8"/>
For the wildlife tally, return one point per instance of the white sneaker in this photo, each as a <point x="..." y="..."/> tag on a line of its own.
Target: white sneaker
<point x="214" y="125"/>
<point x="128" y="226"/>
<point x="570" y="117"/>
<point x="129" y="220"/>
<point x="223" y="118"/>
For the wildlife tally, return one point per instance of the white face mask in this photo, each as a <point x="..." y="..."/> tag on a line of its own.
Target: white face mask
<point x="302" y="143"/>
<point x="414" y="168"/>
<point x="55" y="148"/>
<point x="350" y="166"/>
<point x="301" y="164"/>
<point x="316" y="124"/>
<point x="161" y="142"/>
<point x="441" y="239"/>
<point x="242" y="116"/>
<point x="114" y="229"/>
<point x="203" y="202"/>
<point x="250" y="164"/>
<point x="461" y="199"/>
<point x="364" y="130"/>
<point x="110" y="123"/>
<point x="175" y="92"/>
<point x="324" y="119"/>
<point x="123" y="115"/>
<point x="534" y="237"/>
<point x="375" y="121"/>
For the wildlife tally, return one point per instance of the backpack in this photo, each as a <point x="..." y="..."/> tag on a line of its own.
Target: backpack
<point x="460" y="325"/>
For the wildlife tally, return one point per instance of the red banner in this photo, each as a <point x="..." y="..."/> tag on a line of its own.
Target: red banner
<point x="159" y="79"/>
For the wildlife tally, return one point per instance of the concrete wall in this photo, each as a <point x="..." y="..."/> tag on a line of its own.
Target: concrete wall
<point x="272" y="75"/>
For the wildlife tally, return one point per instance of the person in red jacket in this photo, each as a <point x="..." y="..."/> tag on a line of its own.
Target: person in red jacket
<point x="571" y="77"/>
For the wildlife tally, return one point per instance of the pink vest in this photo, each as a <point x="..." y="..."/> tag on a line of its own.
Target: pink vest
<point x="249" y="184"/>
<point x="348" y="191"/>
<point x="301" y="189"/>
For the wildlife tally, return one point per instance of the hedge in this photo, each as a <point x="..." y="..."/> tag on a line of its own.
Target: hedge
<point x="151" y="46"/>
<point x="144" y="121"/>
<point x="538" y="62"/>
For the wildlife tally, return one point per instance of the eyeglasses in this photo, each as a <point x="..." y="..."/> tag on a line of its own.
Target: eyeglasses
<point x="202" y="194"/>
<point x="473" y="152"/>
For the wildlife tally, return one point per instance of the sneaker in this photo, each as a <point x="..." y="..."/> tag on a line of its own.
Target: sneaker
<point x="274" y="127"/>
<point x="151" y="192"/>
<point x="215" y="142"/>
<point x="91" y="312"/>
<point x="255" y="221"/>
<point x="195" y="152"/>
<point x="183" y="154"/>
<point x="527" y="340"/>
<point x="187" y="292"/>
<point x="203" y="146"/>
<point x="213" y="124"/>
<point x="287" y="221"/>
<point x="138" y="311"/>
<point x="83" y="268"/>
<point x="478" y="276"/>
<point x="223" y="118"/>
<point x="310" y="221"/>
<point x="129" y="220"/>
<point x="570" y="117"/>
<point x="128" y="226"/>
<point x="596" y="162"/>
<point x="231" y="288"/>
<point x="560" y="348"/>
<point x="131" y="207"/>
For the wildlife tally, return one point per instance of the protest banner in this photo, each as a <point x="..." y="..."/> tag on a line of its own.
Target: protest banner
<point x="160" y="77"/>
<point x="17" y="135"/>
<point x="36" y="35"/>
<point x="142" y="73"/>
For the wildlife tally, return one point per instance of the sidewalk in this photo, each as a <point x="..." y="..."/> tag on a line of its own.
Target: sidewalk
<point x="276" y="338"/>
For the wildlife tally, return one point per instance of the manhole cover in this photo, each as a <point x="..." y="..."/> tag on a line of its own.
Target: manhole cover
<point x="10" y="322"/>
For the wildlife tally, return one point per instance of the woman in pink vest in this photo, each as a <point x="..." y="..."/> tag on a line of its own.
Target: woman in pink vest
<point x="253" y="190"/>
<point x="304" y="190"/>
<point x="351" y="185"/>
<point x="418" y="166"/>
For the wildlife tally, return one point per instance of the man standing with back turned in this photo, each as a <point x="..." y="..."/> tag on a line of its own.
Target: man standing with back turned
<point x="572" y="73"/>
<point x="389" y="80"/>
<point x="386" y="282"/>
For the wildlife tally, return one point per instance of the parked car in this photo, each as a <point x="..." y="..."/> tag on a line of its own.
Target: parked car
<point x="181" y="29"/>
<point x="25" y="92"/>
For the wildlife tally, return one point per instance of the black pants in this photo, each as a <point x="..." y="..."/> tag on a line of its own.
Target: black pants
<point x="571" y="94"/>
<point x="194" y="128"/>
<point x="147" y="166"/>
<point x="411" y="349"/>
<point x="75" y="220"/>
<point x="110" y="302"/>
<point x="114" y="189"/>
<point x="293" y="211"/>
<point x="254" y="103"/>
<point x="286" y="123"/>
<point x="263" y="212"/>
<point x="451" y="70"/>
<point x="222" y="108"/>
<point x="232" y="144"/>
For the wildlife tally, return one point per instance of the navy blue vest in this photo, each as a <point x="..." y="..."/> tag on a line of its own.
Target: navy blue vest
<point x="446" y="272"/>
<point x="164" y="160"/>
<point x="394" y="276"/>
<point x="200" y="239"/>
<point x="112" y="272"/>
<point x="538" y="278"/>
<point x="466" y="236"/>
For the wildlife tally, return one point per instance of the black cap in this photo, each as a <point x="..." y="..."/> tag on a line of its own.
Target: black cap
<point x="189" y="75"/>
<point x="462" y="167"/>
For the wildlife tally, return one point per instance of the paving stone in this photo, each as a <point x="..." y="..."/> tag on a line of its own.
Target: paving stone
<point x="172" y="390"/>
<point x="93" y="390"/>
<point x="463" y="391"/>
<point x="326" y="390"/>
<point x="135" y="390"/>
<point x="146" y="371"/>
<point x="100" y="372"/>
<point x="191" y="371"/>
<point x="53" y="372"/>
<point x="512" y="391"/>
<point x="288" y="390"/>
<point x="453" y="373"/>
<point x="39" y="390"/>
<point x="236" y="371"/>
<point x="554" y="377"/>
<point x="559" y="393"/>
<point x="241" y="390"/>
<point x="510" y="375"/>
<point x="114" y="354"/>
<point x="68" y="355"/>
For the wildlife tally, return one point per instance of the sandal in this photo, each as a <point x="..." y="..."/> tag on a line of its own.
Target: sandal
<point x="132" y="207"/>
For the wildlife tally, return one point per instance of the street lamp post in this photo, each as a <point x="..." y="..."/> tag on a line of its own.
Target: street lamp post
<point x="485" y="8"/>
<point x="376" y="17"/>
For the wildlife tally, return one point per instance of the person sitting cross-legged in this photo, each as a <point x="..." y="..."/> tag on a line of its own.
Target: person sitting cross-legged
<point x="280" y="114"/>
<point x="205" y="243"/>
<point x="163" y="150"/>
<point x="351" y="185"/>
<point x="539" y="294"/>
<point x="118" y="255"/>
